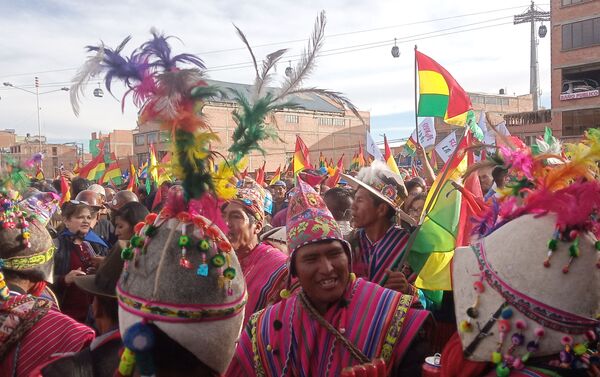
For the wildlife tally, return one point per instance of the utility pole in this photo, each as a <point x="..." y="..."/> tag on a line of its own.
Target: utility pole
<point x="37" y="101"/>
<point x="532" y="15"/>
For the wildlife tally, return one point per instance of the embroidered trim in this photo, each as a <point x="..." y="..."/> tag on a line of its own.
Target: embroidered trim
<point x="179" y="313"/>
<point x="545" y="315"/>
<point x="258" y="367"/>
<point x="30" y="261"/>
<point x="393" y="333"/>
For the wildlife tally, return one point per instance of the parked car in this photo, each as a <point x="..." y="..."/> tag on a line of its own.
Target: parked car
<point x="577" y="86"/>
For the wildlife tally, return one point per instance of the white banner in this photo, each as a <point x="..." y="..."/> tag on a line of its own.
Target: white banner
<point x="373" y="149"/>
<point x="426" y="133"/>
<point x="445" y="148"/>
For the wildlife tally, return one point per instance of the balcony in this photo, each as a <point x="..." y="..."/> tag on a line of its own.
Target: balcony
<point x="529" y="118"/>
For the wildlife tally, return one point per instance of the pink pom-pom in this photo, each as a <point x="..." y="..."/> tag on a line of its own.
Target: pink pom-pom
<point x="503" y="326"/>
<point x="520" y="324"/>
<point x="573" y="234"/>
<point x="518" y="364"/>
<point x="478" y="286"/>
<point x="539" y="332"/>
<point x="590" y="335"/>
<point x="566" y="340"/>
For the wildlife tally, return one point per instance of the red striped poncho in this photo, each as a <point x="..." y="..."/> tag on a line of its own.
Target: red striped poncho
<point x="54" y="333"/>
<point x="378" y="321"/>
<point x="372" y="259"/>
<point x="265" y="272"/>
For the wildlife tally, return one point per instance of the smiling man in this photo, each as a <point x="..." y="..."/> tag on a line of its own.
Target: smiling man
<point x="263" y="265"/>
<point x="336" y="321"/>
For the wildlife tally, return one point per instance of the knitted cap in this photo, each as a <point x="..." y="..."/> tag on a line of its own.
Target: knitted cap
<point x="253" y="199"/>
<point x="309" y="220"/>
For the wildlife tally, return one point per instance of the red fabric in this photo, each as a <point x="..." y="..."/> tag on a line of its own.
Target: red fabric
<point x="280" y="218"/>
<point x="76" y="302"/>
<point x="54" y="333"/>
<point x="459" y="101"/>
<point x="455" y="365"/>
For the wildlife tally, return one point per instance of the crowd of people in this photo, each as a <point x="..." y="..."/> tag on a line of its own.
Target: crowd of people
<point x="214" y="274"/>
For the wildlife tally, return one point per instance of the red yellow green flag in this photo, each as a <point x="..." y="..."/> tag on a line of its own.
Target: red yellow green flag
<point x="153" y="164"/>
<point x="301" y="157"/>
<point x="361" y="156"/>
<point x="112" y="173"/>
<point x="89" y="171"/>
<point x="276" y="176"/>
<point x="439" y="94"/>
<point x="65" y="190"/>
<point x="133" y="178"/>
<point x="389" y="157"/>
<point x="260" y="174"/>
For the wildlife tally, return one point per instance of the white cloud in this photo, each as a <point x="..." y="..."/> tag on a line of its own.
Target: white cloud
<point x="50" y="35"/>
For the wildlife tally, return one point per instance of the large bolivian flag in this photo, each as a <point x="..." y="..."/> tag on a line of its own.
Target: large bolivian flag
<point x="439" y="94"/>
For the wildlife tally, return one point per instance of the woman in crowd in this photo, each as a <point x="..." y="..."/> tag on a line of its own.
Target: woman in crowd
<point x="127" y="217"/>
<point x="79" y="252"/>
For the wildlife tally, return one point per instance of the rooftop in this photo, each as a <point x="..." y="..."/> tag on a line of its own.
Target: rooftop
<point x="310" y="102"/>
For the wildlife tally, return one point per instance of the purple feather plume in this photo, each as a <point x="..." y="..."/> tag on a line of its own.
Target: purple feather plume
<point x="159" y="48"/>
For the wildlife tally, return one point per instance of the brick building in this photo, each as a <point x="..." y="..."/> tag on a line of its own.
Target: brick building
<point x="324" y="127"/>
<point x="118" y="143"/>
<point x="575" y="26"/>
<point x="55" y="155"/>
<point x="497" y="106"/>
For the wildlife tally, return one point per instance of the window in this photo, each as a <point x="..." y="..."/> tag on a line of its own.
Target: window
<point x="581" y="34"/>
<point x="331" y="121"/>
<point x="142" y="158"/>
<point x="577" y="121"/>
<point x="54" y="151"/>
<point x="566" y="3"/>
<point x="152" y="137"/>
<point x="140" y="139"/>
<point x="290" y="118"/>
<point x="165" y="137"/>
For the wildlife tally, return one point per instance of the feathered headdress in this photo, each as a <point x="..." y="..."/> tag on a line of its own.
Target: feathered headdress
<point x="264" y="100"/>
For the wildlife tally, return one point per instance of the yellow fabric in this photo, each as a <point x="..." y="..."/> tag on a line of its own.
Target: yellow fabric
<point x="459" y="120"/>
<point x="435" y="274"/>
<point x="431" y="82"/>
<point x="391" y="163"/>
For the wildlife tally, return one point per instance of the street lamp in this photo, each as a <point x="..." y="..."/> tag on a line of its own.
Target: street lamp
<point x="37" y="100"/>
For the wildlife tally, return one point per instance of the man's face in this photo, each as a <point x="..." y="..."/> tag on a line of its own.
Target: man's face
<point x="486" y="181"/>
<point x="242" y="232"/>
<point x="364" y="210"/>
<point x="278" y="193"/>
<point x="323" y="271"/>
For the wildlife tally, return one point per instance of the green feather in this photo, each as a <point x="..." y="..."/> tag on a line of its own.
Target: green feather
<point x="251" y="129"/>
<point x="196" y="179"/>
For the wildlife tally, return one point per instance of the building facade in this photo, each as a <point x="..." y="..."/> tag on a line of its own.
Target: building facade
<point x="323" y="126"/>
<point x="575" y="60"/>
<point x="55" y="155"/>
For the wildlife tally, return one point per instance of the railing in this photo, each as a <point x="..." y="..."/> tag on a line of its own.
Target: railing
<point x="529" y="117"/>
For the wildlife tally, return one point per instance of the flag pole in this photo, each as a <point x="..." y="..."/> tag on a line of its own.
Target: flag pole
<point x="416" y="90"/>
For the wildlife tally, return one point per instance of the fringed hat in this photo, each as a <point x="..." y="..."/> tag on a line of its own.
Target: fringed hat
<point x="380" y="181"/>
<point x="180" y="272"/>
<point x="25" y="245"/>
<point x="530" y="286"/>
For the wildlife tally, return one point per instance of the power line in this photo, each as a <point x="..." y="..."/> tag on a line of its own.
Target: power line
<point x="330" y="52"/>
<point x="303" y="40"/>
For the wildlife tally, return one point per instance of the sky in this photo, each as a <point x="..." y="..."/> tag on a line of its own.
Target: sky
<point x="474" y="40"/>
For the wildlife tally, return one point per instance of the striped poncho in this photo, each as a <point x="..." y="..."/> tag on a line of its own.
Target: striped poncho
<point x="371" y="259"/>
<point x="284" y="340"/>
<point x="265" y="272"/>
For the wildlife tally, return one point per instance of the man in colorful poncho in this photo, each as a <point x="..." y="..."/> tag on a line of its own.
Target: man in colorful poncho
<point x="263" y="265"/>
<point x="31" y="330"/>
<point x="379" y="244"/>
<point x="336" y="321"/>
